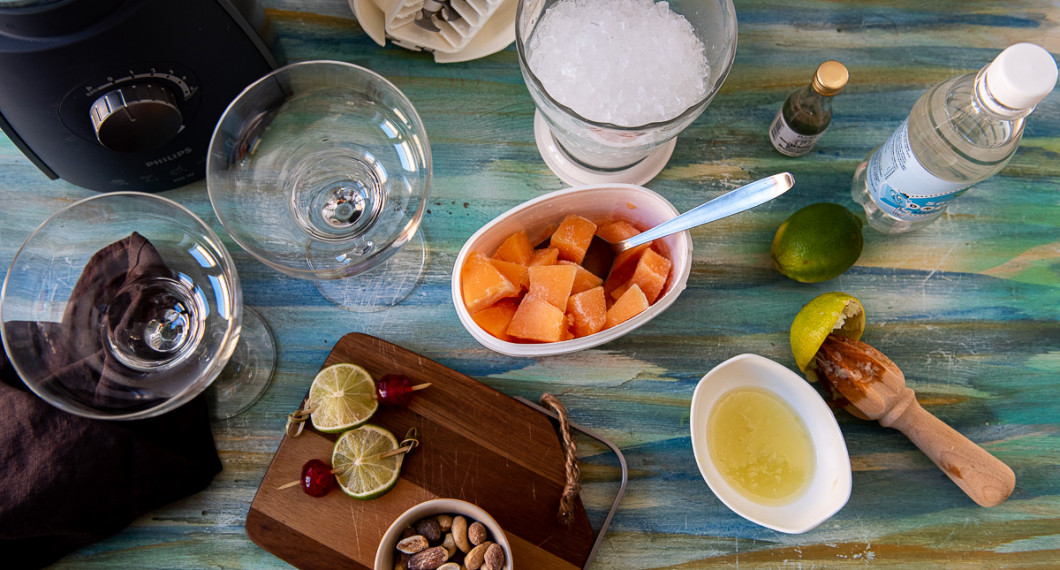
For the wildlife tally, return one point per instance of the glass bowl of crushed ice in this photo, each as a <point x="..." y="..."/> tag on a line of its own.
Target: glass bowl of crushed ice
<point x="611" y="93"/>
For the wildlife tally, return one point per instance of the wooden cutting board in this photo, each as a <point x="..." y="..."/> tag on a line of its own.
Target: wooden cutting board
<point x="476" y="444"/>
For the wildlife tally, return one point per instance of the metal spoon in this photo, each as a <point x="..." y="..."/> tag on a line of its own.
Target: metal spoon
<point x="599" y="257"/>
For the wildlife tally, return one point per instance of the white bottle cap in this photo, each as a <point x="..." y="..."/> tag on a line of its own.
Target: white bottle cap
<point x="1021" y="76"/>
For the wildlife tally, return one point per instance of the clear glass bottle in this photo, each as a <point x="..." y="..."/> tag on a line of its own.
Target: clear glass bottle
<point x="807" y="112"/>
<point x="960" y="132"/>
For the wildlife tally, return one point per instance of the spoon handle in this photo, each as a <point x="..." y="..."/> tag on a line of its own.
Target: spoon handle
<point x="983" y="477"/>
<point x="743" y="198"/>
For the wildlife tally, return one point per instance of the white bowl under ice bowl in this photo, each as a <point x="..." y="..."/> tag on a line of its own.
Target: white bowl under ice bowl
<point x="602" y="203"/>
<point x="829" y="486"/>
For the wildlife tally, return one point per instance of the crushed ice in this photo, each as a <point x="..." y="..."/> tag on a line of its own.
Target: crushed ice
<point x="626" y="62"/>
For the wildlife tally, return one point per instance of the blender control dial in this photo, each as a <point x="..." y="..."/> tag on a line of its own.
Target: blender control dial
<point x="135" y="117"/>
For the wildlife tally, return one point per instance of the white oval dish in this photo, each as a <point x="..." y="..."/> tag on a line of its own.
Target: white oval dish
<point x="606" y="202"/>
<point x="384" y="555"/>
<point x="830" y="487"/>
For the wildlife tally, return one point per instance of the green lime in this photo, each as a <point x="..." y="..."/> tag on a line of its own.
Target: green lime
<point x="828" y="313"/>
<point x="342" y="397"/>
<point x="817" y="243"/>
<point x="358" y="464"/>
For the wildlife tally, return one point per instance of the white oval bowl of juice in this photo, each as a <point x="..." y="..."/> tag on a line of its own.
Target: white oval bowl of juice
<point x="768" y="445"/>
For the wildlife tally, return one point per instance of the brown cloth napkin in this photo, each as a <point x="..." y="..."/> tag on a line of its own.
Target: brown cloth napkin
<point x="67" y="481"/>
<point x="111" y="281"/>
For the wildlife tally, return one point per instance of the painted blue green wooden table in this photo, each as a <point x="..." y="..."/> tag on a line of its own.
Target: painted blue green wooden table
<point x="968" y="307"/>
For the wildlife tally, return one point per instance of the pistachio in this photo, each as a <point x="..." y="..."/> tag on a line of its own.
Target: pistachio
<point x="413" y="544"/>
<point x="477" y="533"/>
<point x="477" y="556"/>
<point x="494" y="559"/>
<point x="445" y="522"/>
<point x="429" y="559"/>
<point x="460" y="533"/>
<point x="430" y="529"/>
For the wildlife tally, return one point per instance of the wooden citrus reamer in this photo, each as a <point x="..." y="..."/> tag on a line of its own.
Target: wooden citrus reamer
<point x="876" y="390"/>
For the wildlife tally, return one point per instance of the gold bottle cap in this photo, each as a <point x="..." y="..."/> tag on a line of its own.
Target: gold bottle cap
<point x="830" y="78"/>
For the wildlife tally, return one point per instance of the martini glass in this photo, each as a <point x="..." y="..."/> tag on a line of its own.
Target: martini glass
<point x="320" y="170"/>
<point x="582" y="123"/>
<point x="126" y="305"/>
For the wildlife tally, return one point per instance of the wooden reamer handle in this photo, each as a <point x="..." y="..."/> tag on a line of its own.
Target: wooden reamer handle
<point x="983" y="477"/>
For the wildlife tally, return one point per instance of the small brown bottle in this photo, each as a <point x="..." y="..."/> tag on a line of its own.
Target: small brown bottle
<point x="807" y="112"/>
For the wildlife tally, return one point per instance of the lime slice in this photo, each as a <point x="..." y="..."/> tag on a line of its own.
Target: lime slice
<point x="342" y="397"/>
<point x="357" y="464"/>
<point x="828" y="313"/>
<point x="817" y="243"/>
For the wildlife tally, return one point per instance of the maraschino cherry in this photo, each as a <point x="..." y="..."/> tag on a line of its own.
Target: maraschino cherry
<point x="396" y="389"/>
<point x="317" y="479"/>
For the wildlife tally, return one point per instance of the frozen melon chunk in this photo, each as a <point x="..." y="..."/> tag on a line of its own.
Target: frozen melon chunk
<point x="552" y="283"/>
<point x="630" y="304"/>
<point x="536" y="319"/>
<point x="587" y="312"/>
<point x="624" y="263"/>
<point x="572" y="238"/>
<point x="496" y="318"/>
<point x="545" y="256"/>
<point x="482" y="284"/>
<point x="516" y="249"/>
<point x="651" y="274"/>
<point x="515" y="272"/>
<point x="583" y="279"/>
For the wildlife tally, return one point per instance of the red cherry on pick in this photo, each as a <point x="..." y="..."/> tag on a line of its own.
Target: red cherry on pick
<point x="394" y="390"/>
<point x="317" y="480"/>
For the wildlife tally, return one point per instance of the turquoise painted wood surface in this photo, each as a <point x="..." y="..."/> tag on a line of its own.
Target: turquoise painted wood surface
<point x="968" y="307"/>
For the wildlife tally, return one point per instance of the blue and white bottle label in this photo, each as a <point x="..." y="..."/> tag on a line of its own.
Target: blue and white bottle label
<point x="901" y="186"/>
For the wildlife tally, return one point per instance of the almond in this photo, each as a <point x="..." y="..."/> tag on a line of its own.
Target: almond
<point x="477" y="533"/>
<point x="429" y="559"/>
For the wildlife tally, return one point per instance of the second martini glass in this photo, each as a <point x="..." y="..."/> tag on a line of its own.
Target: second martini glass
<point x="321" y="170"/>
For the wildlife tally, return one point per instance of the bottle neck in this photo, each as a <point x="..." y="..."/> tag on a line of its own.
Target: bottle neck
<point x="811" y="96"/>
<point x="988" y="103"/>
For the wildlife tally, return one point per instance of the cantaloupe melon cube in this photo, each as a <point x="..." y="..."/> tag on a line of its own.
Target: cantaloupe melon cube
<point x="624" y="263"/>
<point x="630" y="304"/>
<point x="650" y="274"/>
<point x="617" y="231"/>
<point x="587" y="312"/>
<point x="515" y="272"/>
<point x="552" y="283"/>
<point x="622" y="271"/>
<point x="544" y="256"/>
<point x="482" y="284"/>
<point x="516" y="249"/>
<point x="620" y="290"/>
<point x="496" y="318"/>
<point x="572" y="237"/>
<point x="536" y="319"/>
<point x="583" y="278"/>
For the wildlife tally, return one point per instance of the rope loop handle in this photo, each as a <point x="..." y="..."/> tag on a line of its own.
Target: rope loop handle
<point x="573" y="486"/>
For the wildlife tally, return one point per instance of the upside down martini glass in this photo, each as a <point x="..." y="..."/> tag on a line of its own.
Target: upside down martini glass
<point x="126" y="305"/>
<point x="321" y="170"/>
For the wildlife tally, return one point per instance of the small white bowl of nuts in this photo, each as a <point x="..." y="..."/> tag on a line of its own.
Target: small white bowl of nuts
<point x="444" y="534"/>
